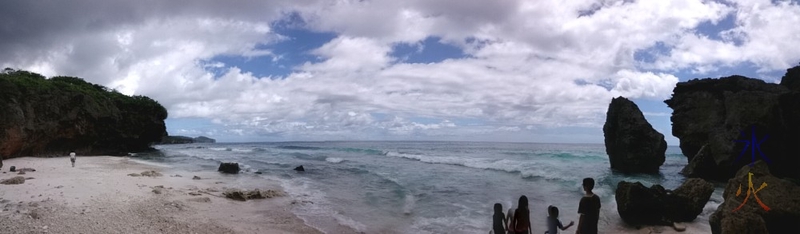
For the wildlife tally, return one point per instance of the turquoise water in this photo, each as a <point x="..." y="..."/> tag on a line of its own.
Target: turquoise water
<point x="428" y="187"/>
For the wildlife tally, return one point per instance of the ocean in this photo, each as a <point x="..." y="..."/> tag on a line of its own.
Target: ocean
<point x="429" y="187"/>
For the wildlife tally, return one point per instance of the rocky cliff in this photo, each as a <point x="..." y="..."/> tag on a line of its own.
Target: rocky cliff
<point x="40" y="116"/>
<point x="720" y="120"/>
<point x="632" y="145"/>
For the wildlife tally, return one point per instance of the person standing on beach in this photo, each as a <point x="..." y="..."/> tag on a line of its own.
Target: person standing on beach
<point x="589" y="209"/>
<point x="521" y="223"/>
<point x="499" y="221"/>
<point x="72" y="158"/>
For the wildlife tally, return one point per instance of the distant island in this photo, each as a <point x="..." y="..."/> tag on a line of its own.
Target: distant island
<point x="186" y="140"/>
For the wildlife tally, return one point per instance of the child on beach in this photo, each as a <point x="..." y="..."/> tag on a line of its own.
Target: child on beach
<point x="553" y="224"/>
<point x="72" y="158"/>
<point x="499" y="221"/>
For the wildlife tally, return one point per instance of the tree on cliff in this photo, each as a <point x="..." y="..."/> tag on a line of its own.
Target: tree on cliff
<point x="51" y="116"/>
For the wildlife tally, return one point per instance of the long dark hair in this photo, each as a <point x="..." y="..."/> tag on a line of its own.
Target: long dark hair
<point x="522" y="215"/>
<point x="498" y="208"/>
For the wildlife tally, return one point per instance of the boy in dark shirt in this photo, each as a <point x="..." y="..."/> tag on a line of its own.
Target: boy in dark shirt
<point x="589" y="209"/>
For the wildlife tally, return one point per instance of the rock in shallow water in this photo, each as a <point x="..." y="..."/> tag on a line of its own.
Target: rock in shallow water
<point x="230" y="168"/>
<point x="632" y="145"/>
<point x="639" y="205"/>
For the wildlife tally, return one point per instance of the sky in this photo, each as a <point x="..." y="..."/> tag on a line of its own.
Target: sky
<point x="453" y="70"/>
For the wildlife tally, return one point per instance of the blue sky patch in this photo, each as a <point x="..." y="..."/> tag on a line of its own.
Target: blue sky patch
<point x="288" y="53"/>
<point x="430" y="50"/>
<point x="650" y="54"/>
<point x="714" y="30"/>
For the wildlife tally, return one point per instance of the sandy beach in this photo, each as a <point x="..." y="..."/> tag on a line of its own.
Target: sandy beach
<point x="99" y="196"/>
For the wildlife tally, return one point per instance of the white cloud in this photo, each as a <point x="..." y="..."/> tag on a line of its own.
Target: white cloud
<point x="524" y="59"/>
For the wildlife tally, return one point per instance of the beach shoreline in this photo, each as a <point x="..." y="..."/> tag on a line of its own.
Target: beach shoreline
<point x="99" y="196"/>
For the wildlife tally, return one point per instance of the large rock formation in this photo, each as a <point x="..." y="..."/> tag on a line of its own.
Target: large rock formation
<point x="639" y="205"/>
<point x="632" y="145"/>
<point x="792" y="79"/>
<point x="733" y="116"/>
<point x="781" y="197"/>
<point x="41" y="116"/>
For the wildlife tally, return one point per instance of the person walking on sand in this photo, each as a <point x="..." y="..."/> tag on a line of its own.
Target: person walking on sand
<point x="72" y="158"/>
<point x="521" y="223"/>
<point x="589" y="209"/>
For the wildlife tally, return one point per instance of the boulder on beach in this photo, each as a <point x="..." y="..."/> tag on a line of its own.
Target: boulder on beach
<point x="235" y="195"/>
<point x="196" y="178"/>
<point x="12" y="169"/>
<point x="150" y="173"/>
<point x="199" y="199"/>
<point x="244" y="195"/>
<point x="230" y="168"/>
<point x="632" y="145"/>
<point x="25" y="169"/>
<point x="300" y="168"/>
<point x="639" y="205"/>
<point x="14" y="180"/>
<point x="717" y="120"/>
<point x="687" y="201"/>
<point x="780" y="196"/>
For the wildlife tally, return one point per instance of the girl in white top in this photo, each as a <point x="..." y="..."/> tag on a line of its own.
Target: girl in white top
<point x="72" y="158"/>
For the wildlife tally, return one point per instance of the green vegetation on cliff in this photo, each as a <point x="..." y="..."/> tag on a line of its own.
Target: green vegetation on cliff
<point x="40" y="116"/>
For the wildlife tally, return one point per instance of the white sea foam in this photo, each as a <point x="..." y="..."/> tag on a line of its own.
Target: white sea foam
<point x="151" y="163"/>
<point x="334" y="160"/>
<point x="529" y="168"/>
<point x="315" y="209"/>
<point x="408" y="204"/>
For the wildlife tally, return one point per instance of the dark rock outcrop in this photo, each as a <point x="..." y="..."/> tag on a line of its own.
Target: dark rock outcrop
<point x="186" y="140"/>
<point x="245" y="195"/>
<point x="792" y="78"/>
<point x="151" y="173"/>
<point x="230" y="168"/>
<point x="721" y="115"/>
<point x="40" y="116"/>
<point x="25" y="169"/>
<point x="639" y="205"/>
<point x="781" y="197"/>
<point x="632" y="145"/>
<point x="300" y="168"/>
<point x="14" y="180"/>
<point x="687" y="201"/>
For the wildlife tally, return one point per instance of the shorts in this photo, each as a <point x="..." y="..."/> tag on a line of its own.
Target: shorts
<point x="72" y="160"/>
